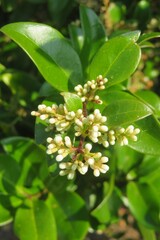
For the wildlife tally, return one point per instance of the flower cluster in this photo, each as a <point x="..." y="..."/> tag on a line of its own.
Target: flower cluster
<point x="87" y="92"/>
<point x="92" y="126"/>
<point x="75" y="154"/>
<point x="81" y="157"/>
<point x="56" y="116"/>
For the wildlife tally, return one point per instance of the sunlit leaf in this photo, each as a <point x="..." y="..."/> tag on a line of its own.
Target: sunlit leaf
<point x="123" y="108"/>
<point x="73" y="101"/>
<point x="148" y="140"/>
<point x="148" y="36"/>
<point x="117" y="59"/>
<point x="52" y="54"/>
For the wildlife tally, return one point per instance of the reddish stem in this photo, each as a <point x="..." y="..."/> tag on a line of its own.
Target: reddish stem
<point x="79" y="149"/>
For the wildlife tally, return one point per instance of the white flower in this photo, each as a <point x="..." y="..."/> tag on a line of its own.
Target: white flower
<point x="59" y="158"/>
<point x="123" y="135"/>
<point x="88" y="147"/>
<point x="58" y="139"/>
<point x="43" y="116"/>
<point x="100" y="166"/>
<point x="68" y="142"/>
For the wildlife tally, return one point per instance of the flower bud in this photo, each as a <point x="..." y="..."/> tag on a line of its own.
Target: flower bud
<point x="88" y="147"/>
<point x="96" y="172"/>
<point x="59" y="158"/>
<point x="58" y="139"/>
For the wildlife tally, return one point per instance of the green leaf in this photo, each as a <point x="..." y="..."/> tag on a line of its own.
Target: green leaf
<point x="60" y="12"/>
<point x="142" y="13"/>
<point x="148" y="140"/>
<point x="127" y="158"/>
<point x="102" y="212"/>
<point x="147" y="44"/>
<point x="117" y="59"/>
<point x="148" y="36"/>
<point x="148" y="234"/>
<point x="123" y="108"/>
<point x="77" y="38"/>
<point x="94" y="34"/>
<point x="150" y="164"/>
<point x="30" y="157"/>
<point x="40" y="134"/>
<point x="70" y="215"/>
<point x="115" y="12"/>
<point x="9" y="173"/>
<point x="35" y="222"/>
<point x="54" y="57"/>
<point x="107" y="210"/>
<point x="47" y="91"/>
<point x="134" y="35"/>
<point x="21" y="148"/>
<point x="144" y="204"/>
<point x="151" y="99"/>
<point x="149" y="171"/>
<point x="5" y="216"/>
<point x="73" y="101"/>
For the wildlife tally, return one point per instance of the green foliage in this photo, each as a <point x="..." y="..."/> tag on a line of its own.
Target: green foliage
<point x="42" y="204"/>
<point x="45" y="50"/>
<point x="109" y="60"/>
<point x="30" y="221"/>
<point x="73" y="102"/>
<point x="125" y="109"/>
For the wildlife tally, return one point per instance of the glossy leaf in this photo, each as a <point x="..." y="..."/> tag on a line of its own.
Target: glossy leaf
<point x="148" y="140"/>
<point x="134" y="35"/>
<point x="77" y="37"/>
<point x="55" y="58"/>
<point x="151" y="99"/>
<point x="73" y="101"/>
<point x="35" y="222"/>
<point x="123" y="108"/>
<point x="117" y="59"/>
<point x="70" y="217"/>
<point x="148" y="36"/>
